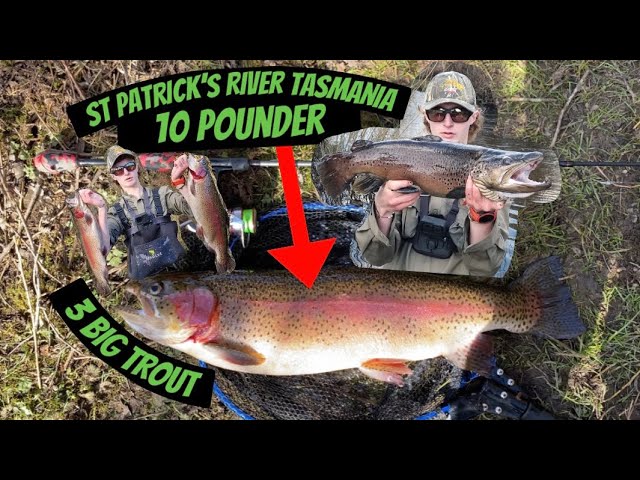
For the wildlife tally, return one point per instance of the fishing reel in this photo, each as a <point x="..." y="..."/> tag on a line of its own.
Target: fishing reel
<point x="242" y="223"/>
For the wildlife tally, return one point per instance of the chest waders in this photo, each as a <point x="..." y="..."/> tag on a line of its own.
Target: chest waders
<point x="151" y="240"/>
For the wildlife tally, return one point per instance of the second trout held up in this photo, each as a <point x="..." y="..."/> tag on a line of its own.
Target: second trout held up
<point x="209" y="211"/>
<point x="375" y="320"/>
<point x="441" y="169"/>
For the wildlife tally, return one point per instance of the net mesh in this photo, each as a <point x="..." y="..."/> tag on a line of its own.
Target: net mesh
<point x="341" y="395"/>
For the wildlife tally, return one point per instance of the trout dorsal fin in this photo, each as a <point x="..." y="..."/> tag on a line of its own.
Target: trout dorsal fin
<point x="427" y="138"/>
<point x="360" y="144"/>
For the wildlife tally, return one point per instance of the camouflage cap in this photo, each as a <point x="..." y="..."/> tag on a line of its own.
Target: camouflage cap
<point x="115" y="152"/>
<point x="450" y="87"/>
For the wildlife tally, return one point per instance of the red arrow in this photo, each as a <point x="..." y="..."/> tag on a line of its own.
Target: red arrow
<point x="303" y="259"/>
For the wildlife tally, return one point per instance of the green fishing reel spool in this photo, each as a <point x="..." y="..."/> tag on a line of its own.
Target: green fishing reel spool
<point x="242" y="223"/>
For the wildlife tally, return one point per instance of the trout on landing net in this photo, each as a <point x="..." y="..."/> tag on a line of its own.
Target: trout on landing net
<point x="375" y="320"/>
<point x="209" y="211"/>
<point x="95" y="252"/>
<point x="441" y="169"/>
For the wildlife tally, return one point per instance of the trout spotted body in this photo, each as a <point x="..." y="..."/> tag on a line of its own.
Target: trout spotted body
<point x="375" y="320"/>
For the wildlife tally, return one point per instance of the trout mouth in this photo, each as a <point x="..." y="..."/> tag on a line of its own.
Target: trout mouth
<point x="516" y="179"/>
<point x="142" y="324"/>
<point x="171" y="313"/>
<point x="197" y="167"/>
<point x="512" y="181"/>
<point x="165" y="331"/>
<point x="148" y="307"/>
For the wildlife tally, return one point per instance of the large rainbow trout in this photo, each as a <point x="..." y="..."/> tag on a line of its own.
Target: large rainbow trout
<point x="441" y="169"/>
<point x="209" y="211"/>
<point x="95" y="252"/>
<point x="374" y="320"/>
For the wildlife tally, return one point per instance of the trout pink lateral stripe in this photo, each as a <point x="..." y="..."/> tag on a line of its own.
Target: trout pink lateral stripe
<point x="364" y="309"/>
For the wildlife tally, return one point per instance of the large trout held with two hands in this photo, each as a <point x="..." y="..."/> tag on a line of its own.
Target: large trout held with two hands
<point x="375" y="320"/>
<point x="441" y="169"/>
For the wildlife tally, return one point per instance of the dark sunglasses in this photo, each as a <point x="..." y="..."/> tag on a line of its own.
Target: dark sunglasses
<point x="458" y="115"/>
<point x="120" y="170"/>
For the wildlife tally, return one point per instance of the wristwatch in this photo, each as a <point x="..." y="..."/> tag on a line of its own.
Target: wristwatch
<point x="481" y="217"/>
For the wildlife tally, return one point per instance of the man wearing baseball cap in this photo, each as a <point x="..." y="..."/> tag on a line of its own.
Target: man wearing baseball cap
<point x="456" y="89"/>
<point x="413" y="231"/>
<point x="142" y="214"/>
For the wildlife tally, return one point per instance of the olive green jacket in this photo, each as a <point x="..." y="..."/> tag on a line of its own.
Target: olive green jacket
<point x="395" y="252"/>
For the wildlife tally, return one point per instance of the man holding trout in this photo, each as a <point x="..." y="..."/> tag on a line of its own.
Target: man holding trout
<point x="143" y="214"/>
<point x="407" y="231"/>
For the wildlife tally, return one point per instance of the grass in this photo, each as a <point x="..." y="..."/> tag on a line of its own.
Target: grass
<point x="402" y="72"/>
<point x="595" y="378"/>
<point x="514" y="79"/>
<point x="622" y="353"/>
<point x="590" y="227"/>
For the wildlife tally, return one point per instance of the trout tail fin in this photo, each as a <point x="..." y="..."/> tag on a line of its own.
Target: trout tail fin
<point x="102" y="284"/>
<point x="558" y="316"/>
<point x="332" y="173"/>
<point x="225" y="263"/>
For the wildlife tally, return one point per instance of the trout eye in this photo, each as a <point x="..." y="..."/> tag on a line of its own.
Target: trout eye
<point x="155" y="288"/>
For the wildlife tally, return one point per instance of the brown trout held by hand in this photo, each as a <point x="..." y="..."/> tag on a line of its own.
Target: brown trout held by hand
<point x="375" y="320"/>
<point x="95" y="252"/>
<point x="209" y="211"/>
<point x="441" y="169"/>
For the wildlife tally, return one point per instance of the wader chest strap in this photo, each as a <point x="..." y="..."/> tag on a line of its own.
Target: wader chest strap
<point x="432" y="237"/>
<point x="123" y="218"/>
<point x="160" y="218"/>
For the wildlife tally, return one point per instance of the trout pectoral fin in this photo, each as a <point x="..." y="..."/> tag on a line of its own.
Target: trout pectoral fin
<point x="457" y="192"/>
<point x="366" y="183"/>
<point x="476" y="356"/>
<point x="235" y="354"/>
<point x="388" y="370"/>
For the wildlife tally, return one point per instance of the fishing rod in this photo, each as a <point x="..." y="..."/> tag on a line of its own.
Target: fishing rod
<point x="570" y="163"/>
<point x="54" y="162"/>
